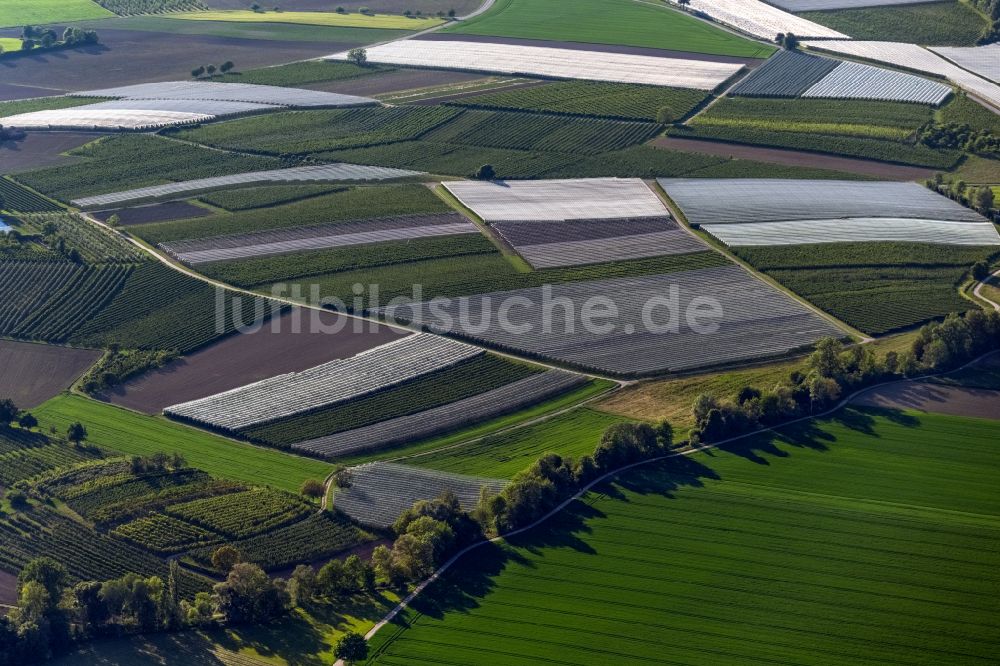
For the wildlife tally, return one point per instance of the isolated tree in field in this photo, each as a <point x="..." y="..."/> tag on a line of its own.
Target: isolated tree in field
<point x="114" y="220"/>
<point x="313" y="489"/>
<point x="486" y="172"/>
<point x="8" y="411"/>
<point x="343" y="478"/>
<point x="210" y="69"/>
<point x="980" y="271"/>
<point x="226" y="66"/>
<point x="683" y="3"/>
<point x="358" y="56"/>
<point x="76" y="433"/>
<point x="225" y="558"/>
<point x="197" y="71"/>
<point x="352" y="648"/>
<point x="27" y="421"/>
<point x="451" y="13"/>
<point x="255" y="7"/>
<point x="985" y="199"/>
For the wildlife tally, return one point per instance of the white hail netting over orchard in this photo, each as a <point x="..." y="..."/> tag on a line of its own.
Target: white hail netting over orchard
<point x="327" y="384"/>
<point x="917" y="58"/>
<point x="381" y="491"/>
<point x="155" y="105"/>
<point x="587" y="198"/>
<point x="757" y="321"/>
<point x="318" y="173"/>
<point x="82" y="117"/>
<point x="474" y="409"/>
<point x="759" y="19"/>
<point x="820" y="5"/>
<point x="865" y="229"/>
<point x="853" y="80"/>
<point x="297" y="239"/>
<point x="554" y="62"/>
<point x="228" y="92"/>
<point x="983" y="60"/>
<point x="744" y="200"/>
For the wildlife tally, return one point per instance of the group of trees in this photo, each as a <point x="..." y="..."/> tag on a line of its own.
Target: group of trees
<point x="833" y="370"/>
<point x="34" y="38"/>
<point x="11" y="413"/>
<point x="787" y="41"/>
<point x="960" y="136"/>
<point x="980" y="198"/>
<point x="211" y="70"/>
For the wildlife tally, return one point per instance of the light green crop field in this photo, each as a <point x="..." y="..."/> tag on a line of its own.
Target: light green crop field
<point x="608" y="22"/>
<point x="869" y="537"/>
<point x="10" y="44"/>
<point x="573" y="434"/>
<point x="25" y="12"/>
<point x="136" y="434"/>
<point x="386" y="21"/>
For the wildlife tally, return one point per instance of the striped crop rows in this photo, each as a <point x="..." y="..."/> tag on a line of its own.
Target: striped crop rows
<point x="21" y="199"/>
<point x="474" y="409"/>
<point x="379" y="492"/>
<point x="324" y="385"/>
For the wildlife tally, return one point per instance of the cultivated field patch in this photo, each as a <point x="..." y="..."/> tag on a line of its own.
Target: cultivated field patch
<point x="33" y="373"/>
<point x="164" y="212"/>
<point x="759" y="19"/>
<point x="333" y="19"/>
<point x="290" y="343"/>
<point x="982" y="60"/>
<point x="606" y="22"/>
<point x="749" y="512"/>
<point x="32" y="12"/>
<point x="379" y="492"/>
<point x="753" y="320"/>
<point x="935" y="23"/>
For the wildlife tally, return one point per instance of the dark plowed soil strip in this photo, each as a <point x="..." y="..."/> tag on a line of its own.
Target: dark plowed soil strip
<point x="171" y="210"/>
<point x="243" y="359"/>
<point x="872" y="168"/>
<point x="927" y="397"/>
<point x="599" y="48"/>
<point x="30" y="373"/>
<point x="10" y="91"/>
<point x="125" y="57"/>
<point x="41" y="149"/>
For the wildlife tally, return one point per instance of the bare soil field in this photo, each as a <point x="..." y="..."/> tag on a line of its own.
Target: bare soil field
<point x="8" y="590"/>
<point x="401" y="79"/>
<point x="131" y="56"/>
<point x="243" y="359"/>
<point x="881" y="170"/>
<point x="938" y="398"/>
<point x="601" y="48"/>
<point x="41" y="149"/>
<point x="10" y="91"/>
<point x="32" y="373"/>
<point x="461" y="7"/>
<point x="171" y="210"/>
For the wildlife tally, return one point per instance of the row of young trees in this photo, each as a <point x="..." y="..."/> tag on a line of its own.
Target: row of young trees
<point x="211" y="70"/>
<point x="34" y="38"/>
<point x="980" y="198"/>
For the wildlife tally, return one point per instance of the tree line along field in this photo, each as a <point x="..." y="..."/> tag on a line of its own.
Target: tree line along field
<point x="476" y="375"/>
<point x="941" y="23"/>
<point x="883" y="131"/>
<point x="906" y="577"/>
<point x="611" y="22"/>
<point x="911" y="282"/>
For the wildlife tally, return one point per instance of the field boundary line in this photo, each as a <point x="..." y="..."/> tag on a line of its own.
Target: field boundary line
<point x="404" y="604"/>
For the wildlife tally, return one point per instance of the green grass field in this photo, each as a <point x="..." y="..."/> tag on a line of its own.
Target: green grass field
<point x="607" y="22"/>
<point x="572" y="434"/>
<point x="31" y="12"/>
<point x="949" y="23"/>
<point x="864" y="538"/>
<point x="136" y="434"/>
<point x="384" y="21"/>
